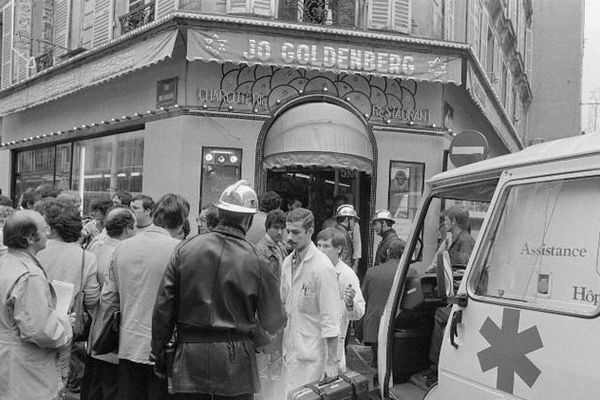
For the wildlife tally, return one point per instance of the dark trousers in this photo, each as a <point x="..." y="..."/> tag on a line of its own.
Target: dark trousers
<point x="201" y="396"/>
<point x="101" y="380"/>
<point x="138" y="382"/>
<point x="440" y="321"/>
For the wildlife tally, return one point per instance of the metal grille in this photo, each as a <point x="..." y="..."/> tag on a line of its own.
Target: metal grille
<point x="315" y="11"/>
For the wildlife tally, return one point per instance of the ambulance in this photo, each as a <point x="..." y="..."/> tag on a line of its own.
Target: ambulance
<point x="524" y="310"/>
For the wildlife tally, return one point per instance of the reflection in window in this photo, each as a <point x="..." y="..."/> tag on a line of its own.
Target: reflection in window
<point x="543" y="248"/>
<point x="221" y="167"/>
<point x="108" y="164"/>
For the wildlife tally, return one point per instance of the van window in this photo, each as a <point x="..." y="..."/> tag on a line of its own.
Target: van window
<point x="543" y="249"/>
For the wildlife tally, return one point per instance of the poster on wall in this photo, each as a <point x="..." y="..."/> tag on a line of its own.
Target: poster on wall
<point x="404" y="193"/>
<point x="221" y="167"/>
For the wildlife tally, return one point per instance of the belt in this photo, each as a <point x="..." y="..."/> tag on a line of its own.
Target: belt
<point x="211" y="336"/>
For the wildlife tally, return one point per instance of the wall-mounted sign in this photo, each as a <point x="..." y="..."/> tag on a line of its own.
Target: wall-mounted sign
<point x="403" y="114"/>
<point x="166" y="92"/>
<point x="231" y="97"/>
<point x="468" y="147"/>
<point x="321" y="54"/>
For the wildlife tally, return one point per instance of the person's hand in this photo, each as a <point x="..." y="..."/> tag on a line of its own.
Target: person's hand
<point x="331" y="373"/>
<point x="72" y="318"/>
<point x="349" y="294"/>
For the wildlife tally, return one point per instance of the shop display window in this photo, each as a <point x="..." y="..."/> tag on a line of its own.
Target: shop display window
<point x="404" y="193"/>
<point x="221" y="167"/>
<point x="95" y="167"/>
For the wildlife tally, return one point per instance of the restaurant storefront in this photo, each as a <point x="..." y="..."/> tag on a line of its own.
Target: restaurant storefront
<point x="364" y="115"/>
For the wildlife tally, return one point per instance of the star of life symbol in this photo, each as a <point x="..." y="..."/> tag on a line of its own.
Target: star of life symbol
<point x="437" y="67"/>
<point x="215" y="45"/>
<point x="508" y="351"/>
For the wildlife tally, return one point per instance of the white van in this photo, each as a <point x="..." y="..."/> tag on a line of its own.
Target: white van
<point x="524" y="322"/>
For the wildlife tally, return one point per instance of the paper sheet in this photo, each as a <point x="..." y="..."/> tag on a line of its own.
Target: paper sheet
<point x="64" y="294"/>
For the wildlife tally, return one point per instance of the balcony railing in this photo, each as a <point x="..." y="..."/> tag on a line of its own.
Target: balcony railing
<point x="44" y="61"/>
<point x="320" y="12"/>
<point x="137" y="17"/>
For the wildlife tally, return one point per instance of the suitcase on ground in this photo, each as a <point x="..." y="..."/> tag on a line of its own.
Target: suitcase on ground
<point x="348" y="386"/>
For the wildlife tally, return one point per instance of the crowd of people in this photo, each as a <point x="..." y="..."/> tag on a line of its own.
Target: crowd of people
<point x="248" y="305"/>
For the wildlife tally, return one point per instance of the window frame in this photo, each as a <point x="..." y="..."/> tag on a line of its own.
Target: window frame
<point x="482" y="251"/>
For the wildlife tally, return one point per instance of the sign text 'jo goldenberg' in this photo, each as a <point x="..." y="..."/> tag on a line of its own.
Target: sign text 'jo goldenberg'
<point x="344" y="58"/>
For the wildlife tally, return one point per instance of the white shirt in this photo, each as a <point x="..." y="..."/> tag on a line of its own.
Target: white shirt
<point x="345" y="277"/>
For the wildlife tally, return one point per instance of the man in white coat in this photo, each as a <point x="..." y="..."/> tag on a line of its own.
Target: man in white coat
<point x="310" y="295"/>
<point x="331" y="242"/>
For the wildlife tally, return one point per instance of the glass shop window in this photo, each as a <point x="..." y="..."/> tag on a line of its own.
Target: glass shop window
<point x="108" y="164"/>
<point x="221" y="167"/>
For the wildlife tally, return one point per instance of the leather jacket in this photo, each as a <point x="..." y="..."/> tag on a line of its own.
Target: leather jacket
<point x="219" y="289"/>
<point x="381" y="255"/>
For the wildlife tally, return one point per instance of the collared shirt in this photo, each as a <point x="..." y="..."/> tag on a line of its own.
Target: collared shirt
<point x="346" y="277"/>
<point x="273" y="251"/>
<point x="136" y="271"/>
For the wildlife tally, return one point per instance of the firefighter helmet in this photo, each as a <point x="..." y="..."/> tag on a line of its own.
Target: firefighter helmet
<point x="383" y="215"/>
<point x="346" y="210"/>
<point x="239" y="198"/>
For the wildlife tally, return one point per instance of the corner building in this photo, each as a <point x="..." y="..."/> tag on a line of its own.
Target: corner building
<point x="310" y="98"/>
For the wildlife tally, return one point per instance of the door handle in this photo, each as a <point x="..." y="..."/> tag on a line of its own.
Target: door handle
<point x="456" y="319"/>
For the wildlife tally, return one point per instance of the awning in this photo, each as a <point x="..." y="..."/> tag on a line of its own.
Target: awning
<point x="318" y="134"/>
<point x="138" y="55"/>
<point x="322" y="54"/>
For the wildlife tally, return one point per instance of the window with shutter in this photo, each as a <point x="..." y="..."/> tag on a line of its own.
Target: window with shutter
<point x="265" y="8"/>
<point x="22" y="59"/>
<point x="101" y="30"/>
<point x="497" y="66"/>
<point x="401" y="15"/>
<point x="238" y="6"/>
<point x="476" y="27"/>
<point x="449" y="19"/>
<point x="485" y="33"/>
<point x="7" y="36"/>
<point x="164" y="7"/>
<point x="62" y="16"/>
<point x="390" y="15"/>
<point x="528" y="53"/>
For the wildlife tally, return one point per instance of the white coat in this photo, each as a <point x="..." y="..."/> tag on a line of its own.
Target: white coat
<point x="312" y="304"/>
<point x="346" y="277"/>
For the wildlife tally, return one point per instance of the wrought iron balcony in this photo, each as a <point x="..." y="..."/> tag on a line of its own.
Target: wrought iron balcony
<point x="321" y="12"/>
<point x="44" y="61"/>
<point x="137" y="17"/>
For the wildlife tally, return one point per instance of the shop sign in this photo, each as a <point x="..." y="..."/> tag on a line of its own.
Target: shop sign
<point x="269" y="50"/>
<point x="231" y="97"/>
<point x="166" y="92"/>
<point x="403" y="114"/>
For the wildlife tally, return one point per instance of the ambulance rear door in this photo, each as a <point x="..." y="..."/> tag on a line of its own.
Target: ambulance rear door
<point x="527" y="326"/>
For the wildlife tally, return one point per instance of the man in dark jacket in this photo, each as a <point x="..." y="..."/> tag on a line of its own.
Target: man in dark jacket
<point x="216" y="291"/>
<point x="376" y="288"/>
<point x="382" y="225"/>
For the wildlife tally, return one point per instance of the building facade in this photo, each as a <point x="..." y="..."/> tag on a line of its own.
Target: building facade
<point x="555" y="111"/>
<point x="311" y="98"/>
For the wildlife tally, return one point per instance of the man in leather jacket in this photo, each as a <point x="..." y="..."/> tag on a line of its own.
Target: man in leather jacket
<point x="216" y="293"/>
<point x="382" y="225"/>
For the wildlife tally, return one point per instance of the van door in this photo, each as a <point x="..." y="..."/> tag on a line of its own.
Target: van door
<point x="530" y="327"/>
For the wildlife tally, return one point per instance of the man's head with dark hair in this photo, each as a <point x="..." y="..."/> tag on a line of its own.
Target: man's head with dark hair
<point x="5" y="201"/>
<point x="339" y="200"/>
<point x="458" y="215"/>
<point x="300" y="225"/>
<point x="25" y="230"/>
<point x="142" y="206"/>
<point x="120" y="220"/>
<point x="396" y="249"/>
<point x="294" y="202"/>
<point x="270" y="201"/>
<point x="64" y="219"/>
<point x="170" y="212"/>
<point x="46" y="190"/>
<point x="101" y="205"/>
<point x="275" y="224"/>
<point x="28" y="199"/>
<point x="122" y="197"/>
<point x="208" y="219"/>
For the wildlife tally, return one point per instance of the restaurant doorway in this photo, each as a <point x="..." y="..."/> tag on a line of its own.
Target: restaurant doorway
<point x="316" y="188"/>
